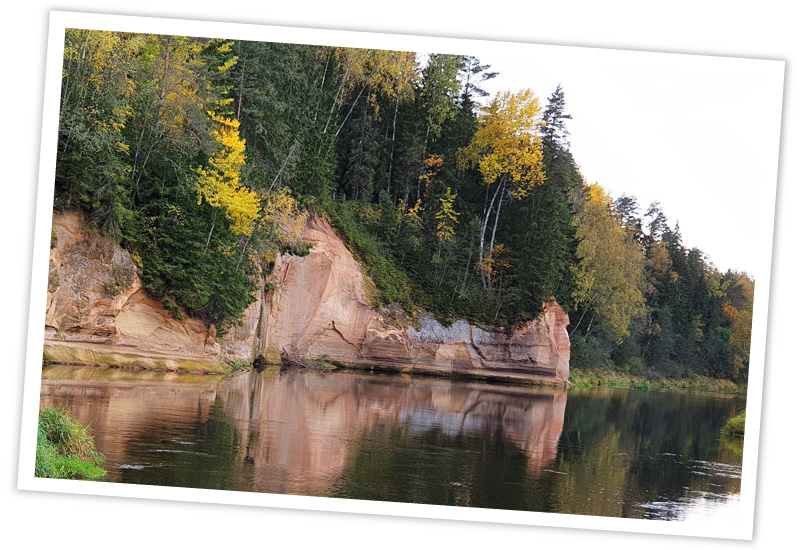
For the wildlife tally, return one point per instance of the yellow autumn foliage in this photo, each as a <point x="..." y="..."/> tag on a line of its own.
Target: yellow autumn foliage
<point x="390" y="73"/>
<point x="432" y="165"/>
<point x="495" y="265"/>
<point x="219" y="185"/>
<point x="507" y="143"/>
<point x="100" y="62"/>
<point x="609" y="276"/>
<point x="414" y="213"/>
<point x="446" y="216"/>
<point x="282" y="212"/>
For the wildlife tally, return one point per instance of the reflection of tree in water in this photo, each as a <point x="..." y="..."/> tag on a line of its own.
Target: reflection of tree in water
<point x="614" y="452"/>
<point x="625" y="449"/>
<point x="434" y="468"/>
<point x="201" y="450"/>
<point x="621" y="453"/>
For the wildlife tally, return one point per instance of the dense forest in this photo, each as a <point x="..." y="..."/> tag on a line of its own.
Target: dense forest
<point x="204" y="157"/>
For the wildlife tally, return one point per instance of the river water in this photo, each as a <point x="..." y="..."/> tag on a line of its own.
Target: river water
<point x="369" y="436"/>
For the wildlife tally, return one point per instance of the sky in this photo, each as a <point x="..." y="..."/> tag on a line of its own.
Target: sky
<point x="699" y="134"/>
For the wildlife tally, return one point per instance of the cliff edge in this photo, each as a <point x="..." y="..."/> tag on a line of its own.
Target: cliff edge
<point x="313" y="307"/>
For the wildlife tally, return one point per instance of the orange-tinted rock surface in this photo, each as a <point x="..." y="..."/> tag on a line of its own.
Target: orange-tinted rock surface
<point x="317" y="307"/>
<point x="98" y="312"/>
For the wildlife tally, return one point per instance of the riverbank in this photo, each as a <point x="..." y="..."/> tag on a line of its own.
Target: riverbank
<point x="734" y="427"/>
<point x="61" y="352"/>
<point x="591" y="378"/>
<point x="65" y="448"/>
<point x="508" y="377"/>
<point x="314" y="306"/>
<point x="579" y="377"/>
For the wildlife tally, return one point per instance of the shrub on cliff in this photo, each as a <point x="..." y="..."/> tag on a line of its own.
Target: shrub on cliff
<point x="65" y="448"/>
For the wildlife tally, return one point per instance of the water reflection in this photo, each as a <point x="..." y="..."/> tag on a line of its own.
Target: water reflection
<point x="423" y="440"/>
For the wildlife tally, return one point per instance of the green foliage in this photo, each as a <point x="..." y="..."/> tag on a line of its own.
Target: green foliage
<point x="192" y="256"/>
<point x="173" y="309"/>
<point x="280" y="92"/>
<point x="392" y="283"/>
<point x="734" y="427"/>
<point x="151" y="123"/>
<point x="64" y="448"/>
<point x="301" y="250"/>
<point x="582" y="377"/>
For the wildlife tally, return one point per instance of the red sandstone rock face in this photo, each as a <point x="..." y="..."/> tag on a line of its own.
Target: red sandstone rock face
<point x="317" y="307"/>
<point x="96" y="305"/>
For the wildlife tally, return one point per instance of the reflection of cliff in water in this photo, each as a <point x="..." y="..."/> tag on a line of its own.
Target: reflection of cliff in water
<point x="307" y="428"/>
<point x="299" y="432"/>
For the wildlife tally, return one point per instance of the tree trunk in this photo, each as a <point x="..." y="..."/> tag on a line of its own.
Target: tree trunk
<point x="241" y="90"/>
<point x="163" y="92"/>
<point x="483" y="233"/>
<point x="588" y="330"/>
<point x="494" y="229"/>
<point x="335" y="99"/>
<point x="353" y="106"/>
<point x="579" y="322"/>
<point x="209" y="237"/>
<point x="469" y="263"/>
<point x="244" y="248"/>
<point x="497" y="219"/>
<point x="391" y="152"/>
<point x="292" y="150"/>
<point x="322" y="85"/>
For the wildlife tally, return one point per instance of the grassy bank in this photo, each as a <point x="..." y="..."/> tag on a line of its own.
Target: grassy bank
<point x="735" y="426"/>
<point x="65" y="448"/>
<point x="590" y="378"/>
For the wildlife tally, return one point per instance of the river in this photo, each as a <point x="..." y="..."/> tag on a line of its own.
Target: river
<point x="621" y="453"/>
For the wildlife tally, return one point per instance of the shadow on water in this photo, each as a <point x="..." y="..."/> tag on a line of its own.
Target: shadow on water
<point x="407" y="439"/>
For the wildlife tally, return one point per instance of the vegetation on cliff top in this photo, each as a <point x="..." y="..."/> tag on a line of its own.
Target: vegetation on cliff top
<point x="65" y="448"/>
<point x="203" y="157"/>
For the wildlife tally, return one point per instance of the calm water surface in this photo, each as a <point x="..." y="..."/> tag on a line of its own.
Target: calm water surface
<point x="379" y="437"/>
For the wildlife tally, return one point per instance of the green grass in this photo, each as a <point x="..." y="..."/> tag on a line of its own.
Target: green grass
<point x="735" y="426"/>
<point x="392" y="284"/>
<point x="322" y="364"/>
<point x="591" y="378"/>
<point x="65" y="448"/>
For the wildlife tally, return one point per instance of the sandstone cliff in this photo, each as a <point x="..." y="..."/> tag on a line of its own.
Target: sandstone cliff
<point x="98" y="312"/>
<point x="314" y="307"/>
<point x="319" y="308"/>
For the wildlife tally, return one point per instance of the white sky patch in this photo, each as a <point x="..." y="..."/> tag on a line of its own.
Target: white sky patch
<point x="699" y="134"/>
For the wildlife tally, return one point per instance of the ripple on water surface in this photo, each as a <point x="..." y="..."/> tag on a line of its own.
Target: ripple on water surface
<point x="353" y="435"/>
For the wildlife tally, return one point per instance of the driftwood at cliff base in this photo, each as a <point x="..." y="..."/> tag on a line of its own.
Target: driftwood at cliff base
<point x="287" y="363"/>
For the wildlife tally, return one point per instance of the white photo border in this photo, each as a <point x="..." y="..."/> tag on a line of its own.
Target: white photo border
<point x="739" y="527"/>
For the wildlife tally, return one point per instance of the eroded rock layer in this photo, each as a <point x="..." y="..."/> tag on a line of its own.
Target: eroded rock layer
<point x="319" y="308"/>
<point x="312" y="307"/>
<point x="98" y="312"/>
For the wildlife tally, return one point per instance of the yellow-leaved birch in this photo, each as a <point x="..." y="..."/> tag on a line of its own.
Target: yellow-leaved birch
<point x="507" y="151"/>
